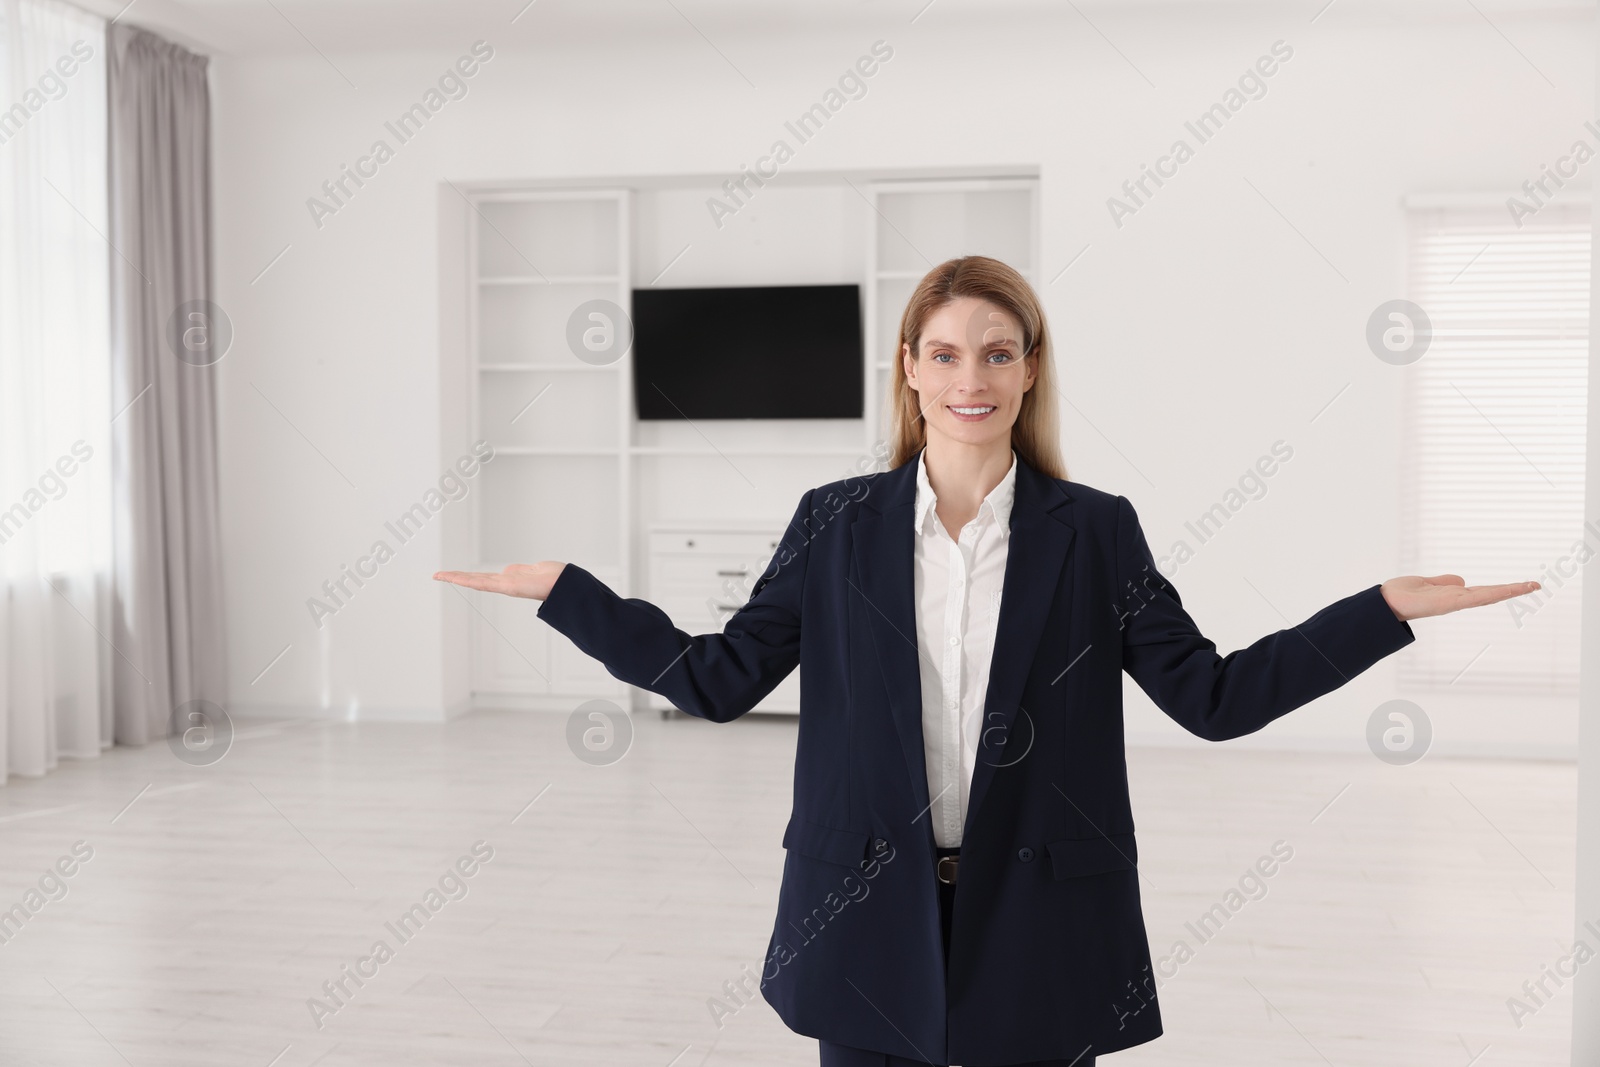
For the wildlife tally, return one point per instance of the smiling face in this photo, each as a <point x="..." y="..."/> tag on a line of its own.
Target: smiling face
<point x="970" y="371"/>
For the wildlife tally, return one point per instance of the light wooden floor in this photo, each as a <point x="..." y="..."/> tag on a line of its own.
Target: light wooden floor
<point x="219" y="901"/>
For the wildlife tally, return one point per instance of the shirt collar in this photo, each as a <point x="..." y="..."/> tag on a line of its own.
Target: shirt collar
<point x="998" y="502"/>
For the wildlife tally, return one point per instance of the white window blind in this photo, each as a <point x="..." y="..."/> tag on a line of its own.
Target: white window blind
<point x="1494" y="445"/>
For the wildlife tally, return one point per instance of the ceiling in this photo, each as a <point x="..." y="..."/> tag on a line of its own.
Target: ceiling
<point x="243" y="27"/>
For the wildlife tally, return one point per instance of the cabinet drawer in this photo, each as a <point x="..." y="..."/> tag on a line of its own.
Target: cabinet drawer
<point x="740" y="544"/>
<point x="713" y="574"/>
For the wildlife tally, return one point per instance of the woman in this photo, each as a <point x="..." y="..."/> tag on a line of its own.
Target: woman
<point x="961" y="880"/>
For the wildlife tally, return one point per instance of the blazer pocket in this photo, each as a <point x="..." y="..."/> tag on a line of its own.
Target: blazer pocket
<point x="1093" y="855"/>
<point x="845" y="847"/>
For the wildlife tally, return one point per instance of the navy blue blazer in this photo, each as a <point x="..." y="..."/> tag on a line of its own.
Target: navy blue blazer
<point x="1048" y="948"/>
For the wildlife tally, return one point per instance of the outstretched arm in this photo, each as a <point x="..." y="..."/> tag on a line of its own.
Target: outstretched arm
<point x="717" y="676"/>
<point x="1221" y="697"/>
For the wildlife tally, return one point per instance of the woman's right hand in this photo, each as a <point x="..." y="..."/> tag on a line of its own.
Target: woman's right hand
<point x="531" y="580"/>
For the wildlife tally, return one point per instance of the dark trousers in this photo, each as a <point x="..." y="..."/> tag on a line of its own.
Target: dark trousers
<point x="835" y="1055"/>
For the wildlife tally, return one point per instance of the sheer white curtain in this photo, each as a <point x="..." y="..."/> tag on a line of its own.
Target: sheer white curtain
<point x="55" y="416"/>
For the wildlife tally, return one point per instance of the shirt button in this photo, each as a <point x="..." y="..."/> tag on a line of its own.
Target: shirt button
<point x="955" y="640"/>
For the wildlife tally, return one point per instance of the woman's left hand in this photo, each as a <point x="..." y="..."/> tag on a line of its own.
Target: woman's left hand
<point x="1414" y="597"/>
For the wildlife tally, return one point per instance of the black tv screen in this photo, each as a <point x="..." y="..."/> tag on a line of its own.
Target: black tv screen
<point x="755" y="352"/>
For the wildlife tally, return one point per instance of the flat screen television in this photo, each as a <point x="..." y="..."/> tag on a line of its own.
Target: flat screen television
<point x="753" y="352"/>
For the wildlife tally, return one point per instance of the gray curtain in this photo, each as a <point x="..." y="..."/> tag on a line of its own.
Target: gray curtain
<point x="167" y="603"/>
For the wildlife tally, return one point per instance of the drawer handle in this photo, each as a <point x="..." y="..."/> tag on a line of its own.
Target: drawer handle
<point x="741" y="572"/>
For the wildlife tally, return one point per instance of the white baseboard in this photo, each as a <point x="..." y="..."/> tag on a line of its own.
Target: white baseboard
<point x="357" y="713"/>
<point x="1355" y="746"/>
<point x="1442" y="749"/>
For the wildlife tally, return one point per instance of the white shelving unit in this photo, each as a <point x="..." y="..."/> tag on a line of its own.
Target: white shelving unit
<point x="917" y="226"/>
<point x="577" y="477"/>
<point x="560" y="477"/>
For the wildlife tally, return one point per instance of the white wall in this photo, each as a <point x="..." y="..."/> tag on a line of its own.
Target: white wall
<point x="1586" y="891"/>
<point x="1192" y="338"/>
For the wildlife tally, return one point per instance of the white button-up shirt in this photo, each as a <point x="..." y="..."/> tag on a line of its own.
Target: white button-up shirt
<point x="958" y="584"/>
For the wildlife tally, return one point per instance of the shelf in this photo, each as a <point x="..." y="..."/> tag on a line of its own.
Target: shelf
<point x="609" y="368"/>
<point x="526" y="505"/>
<point x="551" y="450"/>
<point x="742" y="450"/>
<point x="522" y="322"/>
<point x="947" y="220"/>
<point x="1008" y="183"/>
<point x="550" y="279"/>
<point x="917" y="275"/>
<point x="541" y="237"/>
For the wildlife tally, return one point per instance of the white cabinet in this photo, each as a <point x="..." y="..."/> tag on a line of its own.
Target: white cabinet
<point x="516" y="654"/>
<point x="701" y="574"/>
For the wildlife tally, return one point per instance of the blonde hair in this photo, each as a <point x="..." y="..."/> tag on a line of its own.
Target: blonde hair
<point x="1036" y="434"/>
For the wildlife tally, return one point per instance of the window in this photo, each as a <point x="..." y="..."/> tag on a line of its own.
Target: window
<point x="1493" y="466"/>
<point x="55" y="388"/>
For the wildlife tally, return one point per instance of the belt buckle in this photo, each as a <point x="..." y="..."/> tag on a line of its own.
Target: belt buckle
<point x="950" y="864"/>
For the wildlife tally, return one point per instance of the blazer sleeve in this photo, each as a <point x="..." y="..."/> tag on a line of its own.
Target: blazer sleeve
<point x="716" y="676"/>
<point x="1222" y="697"/>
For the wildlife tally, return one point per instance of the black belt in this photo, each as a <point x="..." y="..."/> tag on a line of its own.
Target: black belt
<point x="948" y="865"/>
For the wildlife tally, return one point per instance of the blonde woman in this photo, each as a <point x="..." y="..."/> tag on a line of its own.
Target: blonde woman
<point x="960" y="884"/>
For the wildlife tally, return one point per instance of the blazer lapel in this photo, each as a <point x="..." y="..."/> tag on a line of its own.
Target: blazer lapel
<point x="1040" y="537"/>
<point x="883" y="544"/>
